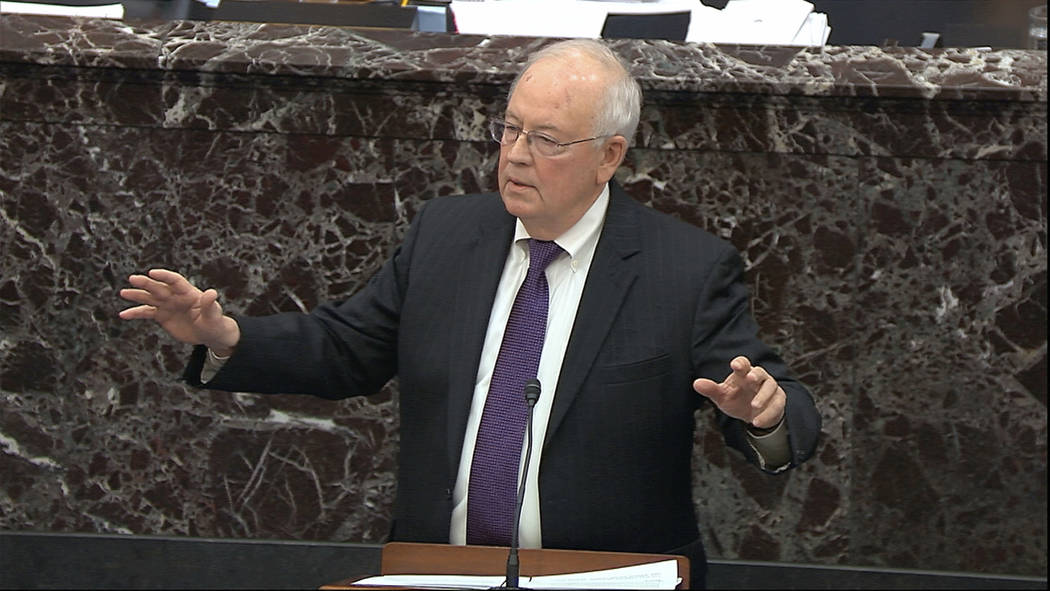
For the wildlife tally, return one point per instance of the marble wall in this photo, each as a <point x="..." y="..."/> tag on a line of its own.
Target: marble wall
<point x="890" y="204"/>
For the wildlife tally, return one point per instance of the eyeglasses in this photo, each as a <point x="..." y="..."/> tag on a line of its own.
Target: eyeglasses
<point x="506" y="134"/>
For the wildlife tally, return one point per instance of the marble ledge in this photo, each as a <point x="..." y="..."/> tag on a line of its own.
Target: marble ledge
<point x="378" y="54"/>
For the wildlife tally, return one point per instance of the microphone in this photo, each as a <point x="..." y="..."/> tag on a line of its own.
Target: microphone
<point x="532" y="394"/>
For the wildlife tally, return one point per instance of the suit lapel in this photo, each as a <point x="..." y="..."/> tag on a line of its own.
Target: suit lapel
<point x="477" y="281"/>
<point x="610" y="277"/>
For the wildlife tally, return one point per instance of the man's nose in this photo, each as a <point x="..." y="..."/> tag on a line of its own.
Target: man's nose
<point x="519" y="150"/>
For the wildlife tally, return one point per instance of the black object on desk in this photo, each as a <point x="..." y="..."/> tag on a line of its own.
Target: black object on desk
<point x="312" y="13"/>
<point x="960" y="23"/>
<point x="372" y="14"/>
<point x="672" y="26"/>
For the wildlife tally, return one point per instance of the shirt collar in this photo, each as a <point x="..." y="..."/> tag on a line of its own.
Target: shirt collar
<point x="583" y="232"/>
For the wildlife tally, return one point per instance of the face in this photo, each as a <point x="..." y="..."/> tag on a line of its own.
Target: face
<point x="559" y="97"/>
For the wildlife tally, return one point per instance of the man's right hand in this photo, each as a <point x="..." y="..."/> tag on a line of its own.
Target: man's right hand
<point x="187" y="313"/>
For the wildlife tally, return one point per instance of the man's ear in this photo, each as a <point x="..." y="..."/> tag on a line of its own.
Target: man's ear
<point x="613" y="151"/>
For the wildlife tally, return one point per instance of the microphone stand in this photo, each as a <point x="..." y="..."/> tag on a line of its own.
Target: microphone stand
<point x="532" y="394"/>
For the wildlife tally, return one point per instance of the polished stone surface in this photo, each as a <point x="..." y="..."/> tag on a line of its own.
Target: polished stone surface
<point x="890" y="204"/>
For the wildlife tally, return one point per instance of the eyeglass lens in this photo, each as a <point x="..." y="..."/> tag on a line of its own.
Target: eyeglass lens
<point x="504" y="133"/>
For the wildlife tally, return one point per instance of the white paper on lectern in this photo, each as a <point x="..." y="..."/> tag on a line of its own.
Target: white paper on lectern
<point x="101" y="11"/>
<point x="432" y="581"/>
<point x="654" y="575"/>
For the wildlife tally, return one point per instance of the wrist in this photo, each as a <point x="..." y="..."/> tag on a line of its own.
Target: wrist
<point x="762" y="431"/>
<point x="226" y="342"/>
<point x="220" y="354"/>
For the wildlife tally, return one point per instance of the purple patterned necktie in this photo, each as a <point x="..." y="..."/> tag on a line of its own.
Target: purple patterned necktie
<point x="492" y="493"/>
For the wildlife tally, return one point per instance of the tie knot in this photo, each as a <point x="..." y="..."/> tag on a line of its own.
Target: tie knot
<point x="541" y="253"/>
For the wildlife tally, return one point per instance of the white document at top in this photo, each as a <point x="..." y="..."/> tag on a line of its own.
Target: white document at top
<point x="101" y="11"/>
<point x="814" y="32"/>
<point x="529" y="18"/>
<point x="607" y="7"/>
<point x="552" y="18"/>
<point x="761" y="22"/>
<point x="654" y="575"/>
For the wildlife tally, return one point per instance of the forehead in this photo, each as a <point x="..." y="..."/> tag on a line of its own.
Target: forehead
<point x="557" y="93"/>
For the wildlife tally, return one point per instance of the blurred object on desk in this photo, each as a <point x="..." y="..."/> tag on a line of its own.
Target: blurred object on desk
<point x="1037" y="28"/>
<point x="1000" y="24"/>
<point x="672" y="26"/>
<point x="432" y="16"/>
<point x="388" y="15"/>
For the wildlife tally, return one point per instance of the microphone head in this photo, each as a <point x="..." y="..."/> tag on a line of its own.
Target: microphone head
<point x="532" y="391"/>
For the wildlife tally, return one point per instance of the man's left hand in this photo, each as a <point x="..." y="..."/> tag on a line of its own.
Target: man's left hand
<point x="749" y="394"/>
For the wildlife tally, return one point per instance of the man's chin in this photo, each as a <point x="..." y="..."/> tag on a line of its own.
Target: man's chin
<point x="519" y="199"/>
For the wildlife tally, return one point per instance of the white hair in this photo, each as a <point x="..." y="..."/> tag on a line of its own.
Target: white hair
<point x="621" y="103"/>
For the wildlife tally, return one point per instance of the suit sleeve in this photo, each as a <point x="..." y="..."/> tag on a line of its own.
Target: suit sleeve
<point x="723" y="329"/>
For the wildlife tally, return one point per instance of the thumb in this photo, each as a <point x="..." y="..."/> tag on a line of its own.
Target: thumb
<point x="708" y="388"/>
<point x="211" y="311"/>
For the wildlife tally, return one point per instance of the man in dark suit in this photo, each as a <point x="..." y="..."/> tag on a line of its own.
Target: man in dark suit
<point x="643" y="319"/>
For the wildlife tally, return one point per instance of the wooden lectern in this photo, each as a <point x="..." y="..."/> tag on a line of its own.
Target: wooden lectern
<point x="403" y="558"/>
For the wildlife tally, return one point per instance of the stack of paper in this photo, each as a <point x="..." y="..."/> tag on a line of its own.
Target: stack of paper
<point x="759" y="22"/>
<point x="655" y="575"/>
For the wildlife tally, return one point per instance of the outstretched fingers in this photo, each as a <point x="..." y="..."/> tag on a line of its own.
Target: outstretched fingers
<point x="145" y="287"/>
<point x="143" y="312"/>
<point x="171" y="280"/>
<point x="159" y="289"/>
